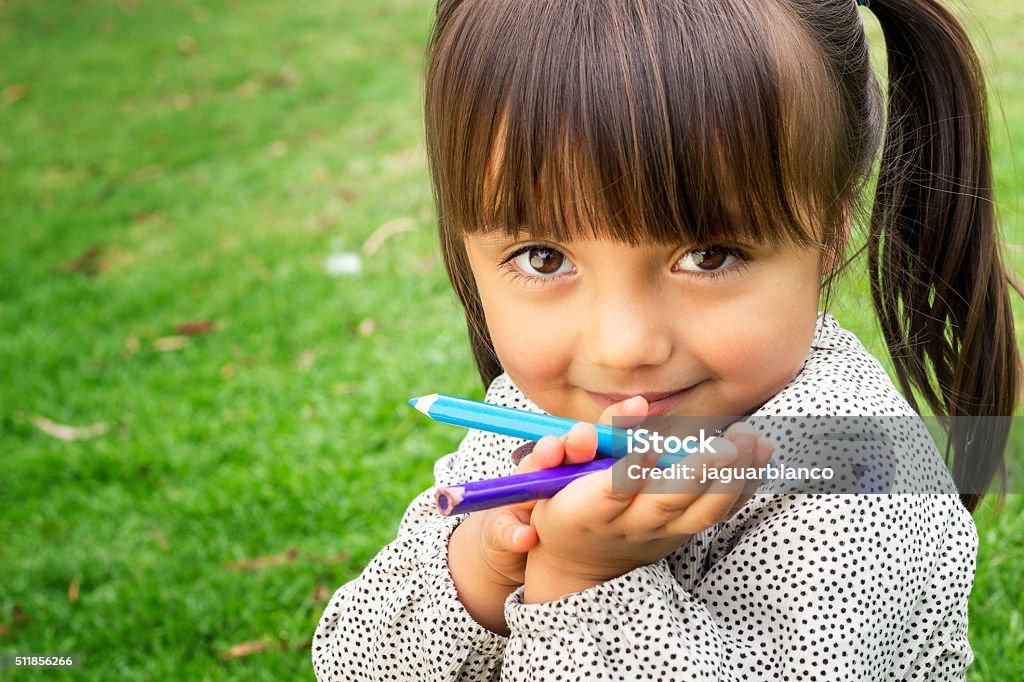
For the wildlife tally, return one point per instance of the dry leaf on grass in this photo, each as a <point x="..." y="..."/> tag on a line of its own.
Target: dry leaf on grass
<point x="247" y="648"/>
<point x="12" y="93"/>
<point x="65" y="432"/>
<point x="144" y="174"/>
<point x="305" y="360"/>
<point x="343" y="388"/>
<point x="260" y="562"/>
<point x="195" y="327"/>
<point x="347" y="195"/>
<point x="73" y="591"/>
<point x="90" y="262"/>
<point x="339" y="558"/>
<point x="160" y="538"/>
<point x="278" y="149"/>
<point x="385" y="232"/>
<point x="143" y="217"/>
<point x="169" y="343"/>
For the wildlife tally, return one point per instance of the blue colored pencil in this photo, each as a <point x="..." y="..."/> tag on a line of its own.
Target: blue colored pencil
<point x="534" y="485"/>
<point x="511" y="422"/>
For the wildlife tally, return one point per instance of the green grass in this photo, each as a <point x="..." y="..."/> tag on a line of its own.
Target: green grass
<point x="214" y="156"/>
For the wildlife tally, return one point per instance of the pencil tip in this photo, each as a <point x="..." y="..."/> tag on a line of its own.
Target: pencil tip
<point x="423" y="403"/>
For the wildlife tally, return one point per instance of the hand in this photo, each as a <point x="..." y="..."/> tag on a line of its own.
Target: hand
<point x="487" y="552"/>
<point x="589" y="534"/>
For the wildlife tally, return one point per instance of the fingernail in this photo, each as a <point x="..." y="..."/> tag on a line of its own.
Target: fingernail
<point x="632" y="402"/>
<point x="517" y="535"/>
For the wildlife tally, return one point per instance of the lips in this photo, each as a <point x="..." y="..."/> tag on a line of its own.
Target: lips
<point x="659" y="403"/>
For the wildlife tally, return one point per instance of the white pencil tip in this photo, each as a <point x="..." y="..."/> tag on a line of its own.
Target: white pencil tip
<point x="423" y="403"/>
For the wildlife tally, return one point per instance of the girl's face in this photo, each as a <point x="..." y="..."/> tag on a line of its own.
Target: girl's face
<point x="708" y="331"/>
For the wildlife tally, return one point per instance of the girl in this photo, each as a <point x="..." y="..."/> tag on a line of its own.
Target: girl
<point x="641" y="204"/>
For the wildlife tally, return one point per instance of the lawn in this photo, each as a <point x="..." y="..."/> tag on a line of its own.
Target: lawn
<point x="203" y="427"/>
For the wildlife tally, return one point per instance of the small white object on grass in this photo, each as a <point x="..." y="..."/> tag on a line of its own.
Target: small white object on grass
<point x="344" y="264"/>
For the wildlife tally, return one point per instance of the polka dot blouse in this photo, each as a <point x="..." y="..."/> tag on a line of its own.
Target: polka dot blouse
<point x="792" y="587"/>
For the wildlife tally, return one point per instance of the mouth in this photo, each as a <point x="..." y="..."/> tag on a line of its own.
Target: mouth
<point x="659" y="403"/>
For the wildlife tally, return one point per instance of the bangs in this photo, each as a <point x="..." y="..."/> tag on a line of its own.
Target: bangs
<point x="636" y="121"/>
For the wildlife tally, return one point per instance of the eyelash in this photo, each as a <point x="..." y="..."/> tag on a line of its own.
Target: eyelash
<point x="507" y="264"/>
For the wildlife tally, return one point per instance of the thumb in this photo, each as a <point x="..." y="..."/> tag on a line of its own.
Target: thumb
<point x="509" y="531"/>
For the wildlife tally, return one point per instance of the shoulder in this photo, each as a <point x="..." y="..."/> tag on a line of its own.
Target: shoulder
<point x="839" y="377"/>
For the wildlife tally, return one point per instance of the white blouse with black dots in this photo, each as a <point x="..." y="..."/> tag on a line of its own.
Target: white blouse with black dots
<point x="793" y="587"/>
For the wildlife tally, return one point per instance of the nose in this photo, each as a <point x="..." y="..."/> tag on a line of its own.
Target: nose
<point x="628" y="330"/>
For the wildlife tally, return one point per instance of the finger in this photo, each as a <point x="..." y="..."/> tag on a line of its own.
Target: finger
<point x="737" y="429"/>
<point x="693" y="473"/>
<point x="580" y="444"/>
<point x="505" y="531"/>
<point x="546" y="454"/>
<point x="626" y="414"/>
<point x="608" y="493"/>
<point x="688" y="478"/>
<point x="646" y="494"/>
<point x="624" y="480"/>
<point x="720" y="496"/>
<point x="761" y="455"/>
<point x="618" y="487"/>
<point x="758" y="463"/>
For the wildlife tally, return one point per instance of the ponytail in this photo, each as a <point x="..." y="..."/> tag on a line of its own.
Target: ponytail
<point x="937" y="280"/>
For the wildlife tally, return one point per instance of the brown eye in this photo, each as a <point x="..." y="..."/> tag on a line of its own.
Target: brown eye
<point x="708" y="259"/>
<point x="541" y="262"/>
<point x="545" y="261"/>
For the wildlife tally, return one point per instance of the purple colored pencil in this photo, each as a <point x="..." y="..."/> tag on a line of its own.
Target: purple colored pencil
<point x="495" y="492"/>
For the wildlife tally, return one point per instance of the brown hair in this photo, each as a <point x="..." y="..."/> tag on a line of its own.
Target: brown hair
<point x="693" y="121"/>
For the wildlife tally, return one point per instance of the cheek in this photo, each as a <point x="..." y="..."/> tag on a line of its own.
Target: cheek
<point x="527" y="345"/>
<point x="755" y="358"/>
